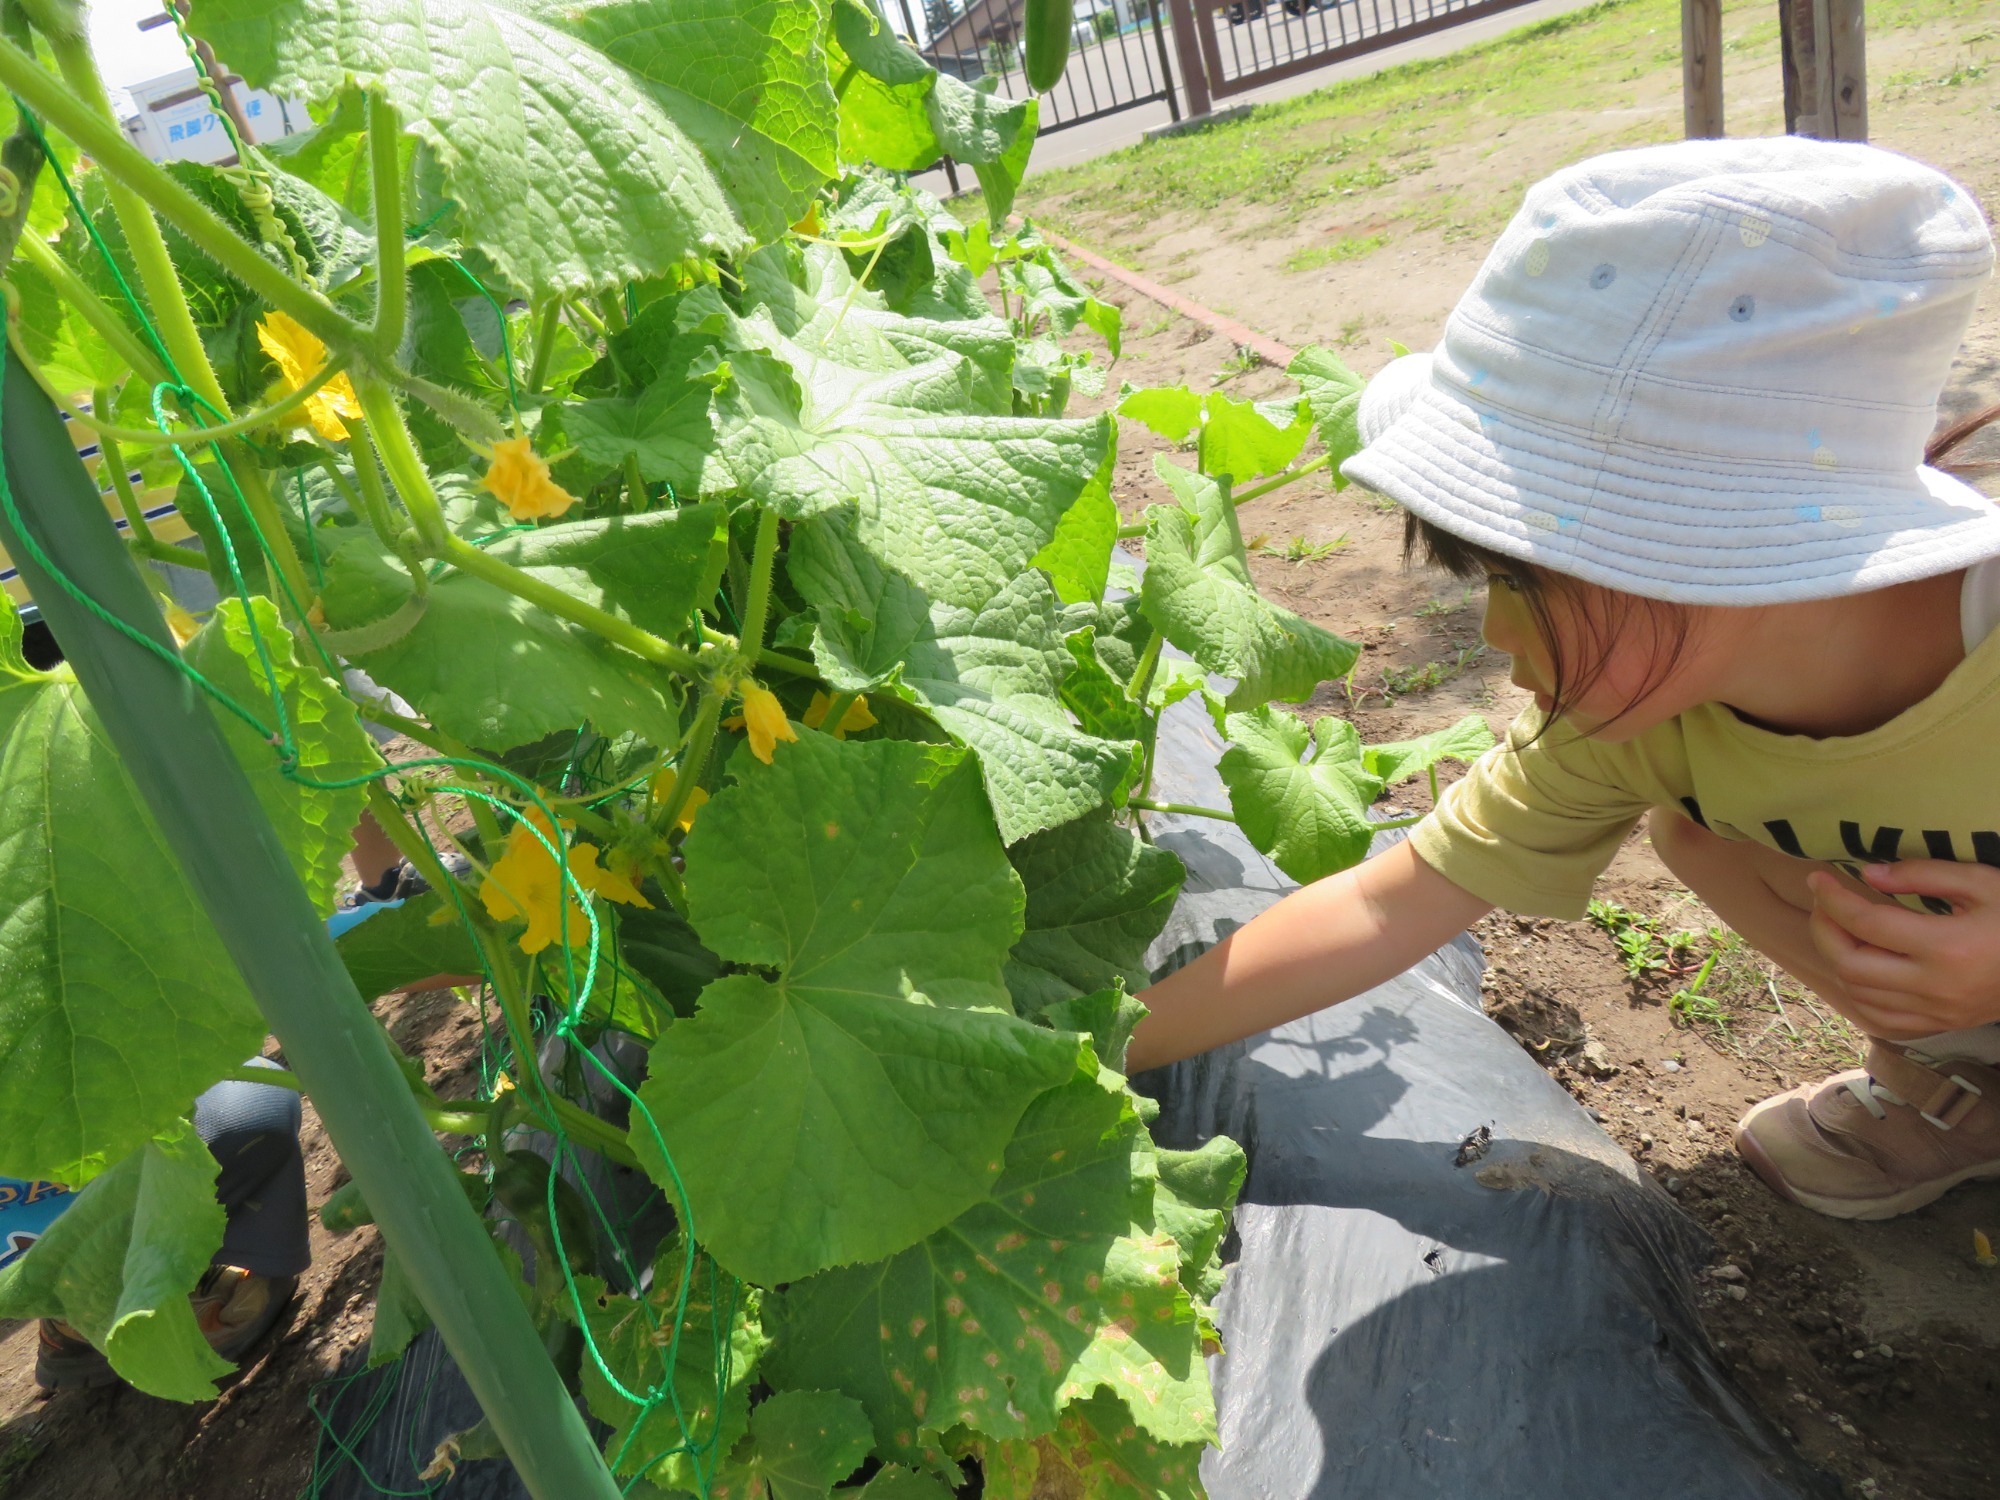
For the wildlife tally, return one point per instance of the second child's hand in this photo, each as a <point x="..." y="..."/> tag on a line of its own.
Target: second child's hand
<point x="1912" y="973"/>
<point x="1320" y="945"/>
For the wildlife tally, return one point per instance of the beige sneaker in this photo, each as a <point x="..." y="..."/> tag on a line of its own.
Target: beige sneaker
<point x="1881" y="1140"/>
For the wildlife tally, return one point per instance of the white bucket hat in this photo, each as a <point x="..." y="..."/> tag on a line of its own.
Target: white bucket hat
<point x="1705" y="373"/>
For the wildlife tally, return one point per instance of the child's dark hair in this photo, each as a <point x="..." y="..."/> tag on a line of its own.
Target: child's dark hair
<point x="1598" y="616"/>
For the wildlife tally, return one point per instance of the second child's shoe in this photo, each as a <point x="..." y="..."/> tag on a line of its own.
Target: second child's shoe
<point x="1881" y="1140"/>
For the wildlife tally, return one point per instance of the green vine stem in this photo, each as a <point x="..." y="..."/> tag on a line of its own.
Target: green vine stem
<point x="694" y="760"/>
<point x="1258" y="491"/>
<point x="642" y="643"/>
<point x="385" y="173"/>
<point x="545" y="343"/>
<point x="635" y="484"/>
<point x="405" y="466"/>
<point x="757" y="607"/>
<point x="95" y="311"/>
<point x="139" y="186"/>
<point x="374" y="499"/>
<point x="1188" y="809"/>
<point x="185" y="437"/>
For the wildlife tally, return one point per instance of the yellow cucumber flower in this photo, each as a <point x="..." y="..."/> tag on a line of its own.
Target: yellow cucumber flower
<point x="519" y="476"/>
<point x="525" y="883"/>
<point x="764" y="717"/>
<point x="299" y="355"/>
<point x="181" y="623"/>
<point x="613" y="881"/>
<point x="856" y="718"/>
<point x="664" y="781"/>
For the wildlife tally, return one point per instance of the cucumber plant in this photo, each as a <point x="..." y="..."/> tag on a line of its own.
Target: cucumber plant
<point x="584" y="380"/>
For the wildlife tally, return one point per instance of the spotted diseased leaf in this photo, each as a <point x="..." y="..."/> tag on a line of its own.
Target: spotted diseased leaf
<point x="702" y="1352"/>
<point x="863" y="1095"/>
<point x="1097" y="1452"/>
<point x="1332" y="393"/>
<point x="1198" y="593"/>
<point x="585" y="144"/>
<point x="1033" y="1299"/>
<point x="1097" y="896"/>
<point x="1466" y="741"/>
<point x="119" y="1263"/>
<point x="801" y="1444"/>
<point x="315" y="823"/>
<point x="117" y="1002"/>
<point x="1309" y="812"/>
<point x="989" y="668"/>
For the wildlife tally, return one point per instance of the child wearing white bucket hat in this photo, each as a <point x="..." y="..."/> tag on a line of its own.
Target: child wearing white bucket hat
<point x="1678" y="424"/>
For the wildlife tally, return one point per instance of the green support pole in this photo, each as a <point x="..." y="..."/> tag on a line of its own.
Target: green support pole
<point x="203" y="804"/>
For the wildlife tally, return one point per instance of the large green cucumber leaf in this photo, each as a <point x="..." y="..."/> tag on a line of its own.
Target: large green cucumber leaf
<point x="1037" y="1296"/>
<point x="1097" y="896"/>
<point x="1099" y="701"/>
<point x="72" y="354"/>
<point x="1097" y="1452"/>
<point x="861" y="1097"/>
<point x="644" y="1348"/>
<point x="894" y="1482"/>
<point x="315" y="823"/>
<point x="989" y="670"/>
<point x="117" y="1002"/>
<point x="495" y="671"/>
<point x="1308" y="812"/>
<point x="119" y="1263"/>
<point x="587" y="144"/>
<point x="1198" y="593"/>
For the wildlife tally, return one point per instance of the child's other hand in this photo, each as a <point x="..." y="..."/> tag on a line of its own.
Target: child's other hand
<point x="1910" y="973"/>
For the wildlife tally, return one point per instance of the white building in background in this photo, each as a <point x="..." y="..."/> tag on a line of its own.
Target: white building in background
<point x="172" y="120"/>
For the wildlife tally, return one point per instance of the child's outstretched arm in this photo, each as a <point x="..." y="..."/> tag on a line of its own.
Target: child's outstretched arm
<point x="1325" y="943"/>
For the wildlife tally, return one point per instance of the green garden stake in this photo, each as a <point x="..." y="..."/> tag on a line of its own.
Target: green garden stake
<point x="200" y="798"/>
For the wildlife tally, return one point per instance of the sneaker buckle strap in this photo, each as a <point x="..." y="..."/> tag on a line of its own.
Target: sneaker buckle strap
<point x="1955" y="1098"/>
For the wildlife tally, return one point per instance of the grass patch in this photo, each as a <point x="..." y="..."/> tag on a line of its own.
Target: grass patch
<point x="1615" y="65"/>
<point x="1315" y="257"/>
<point x="1718" y="986"/>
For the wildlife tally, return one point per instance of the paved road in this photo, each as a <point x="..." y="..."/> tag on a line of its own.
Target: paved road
<point x="1082" y="142"/>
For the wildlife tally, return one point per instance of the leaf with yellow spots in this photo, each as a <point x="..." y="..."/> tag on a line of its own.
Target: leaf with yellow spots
<point x="862" y="1096"/>
<point x="1097" y="1452"/>
<point x="1038" y="1297"/>
<point x="636" y="1339"/>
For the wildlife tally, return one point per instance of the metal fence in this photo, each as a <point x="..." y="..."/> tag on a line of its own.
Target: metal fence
<point x="1248" y="43"/>
<point x="1119" y="54"/>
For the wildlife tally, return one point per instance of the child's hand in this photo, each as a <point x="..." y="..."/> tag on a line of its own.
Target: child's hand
<point x="1911" y="973"/>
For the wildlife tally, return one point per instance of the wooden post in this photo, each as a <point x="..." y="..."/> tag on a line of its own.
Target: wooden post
<point x="1701" y="68"/>
<point x="1187" y="47"/>
<point x="1824" y="48"/>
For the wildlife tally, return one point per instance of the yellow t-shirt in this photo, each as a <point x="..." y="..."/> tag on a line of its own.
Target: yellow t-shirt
<point x="1531" y="828"/>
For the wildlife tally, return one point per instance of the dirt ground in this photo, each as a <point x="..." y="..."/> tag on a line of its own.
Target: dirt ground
<point x="1875" y="1346"/>
<point x="258" y="1440"/>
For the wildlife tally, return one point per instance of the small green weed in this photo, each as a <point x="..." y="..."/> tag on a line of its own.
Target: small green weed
<point x="1436" y="608"/>
<point x="1299" y="550"/>
<point x="1348" y="247"/>
<point x="1401" y="682"/>
<point x="1242" y="362"/>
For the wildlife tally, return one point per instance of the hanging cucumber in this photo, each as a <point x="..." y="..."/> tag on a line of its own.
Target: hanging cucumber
<point x="1047" y="43"/>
